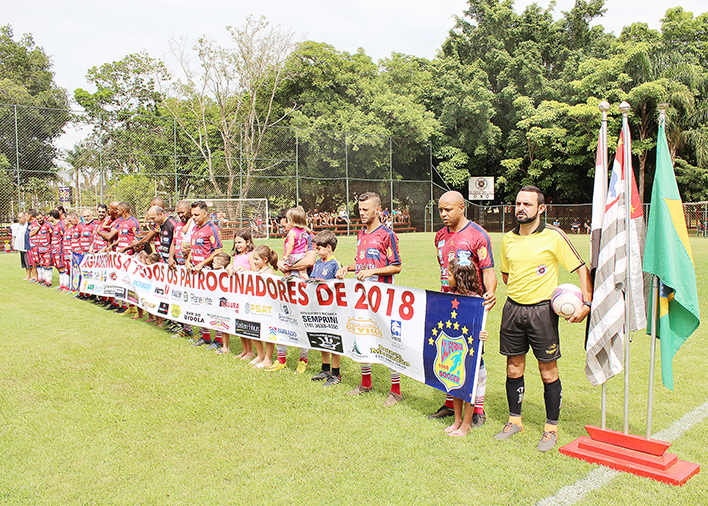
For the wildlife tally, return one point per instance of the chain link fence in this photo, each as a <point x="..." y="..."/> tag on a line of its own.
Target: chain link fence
<point x="135" y="158"/>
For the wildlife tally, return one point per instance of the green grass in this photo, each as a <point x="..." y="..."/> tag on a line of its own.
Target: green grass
<point x="99" y="409"/>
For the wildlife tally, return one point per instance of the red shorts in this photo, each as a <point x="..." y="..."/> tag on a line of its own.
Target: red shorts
<point x="58" y="260"/>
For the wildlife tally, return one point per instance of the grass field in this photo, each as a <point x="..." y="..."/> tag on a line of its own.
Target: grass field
<point x="98" y="409"/>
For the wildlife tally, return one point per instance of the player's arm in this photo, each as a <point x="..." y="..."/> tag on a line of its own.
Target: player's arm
<point x="489" y="278"/>
<point x="389" y="270"/>
<point x="342" y="272"/>
<point x="586" y="288"/>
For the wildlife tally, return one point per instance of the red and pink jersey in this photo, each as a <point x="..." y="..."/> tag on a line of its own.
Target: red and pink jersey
<point x="33" y="238"/>
<point x="205" y="240"/>
<point x="58" y="238"/>
<point x="88" y="231"/>
<point x="44" y="237"/>
<point x="105" y="226"/>
<point x="128" y="229"/>
<point x="471" y="243"/>
<point x="180" y="238"/>
<point x="377" y="249"/>
<point x="76" y="237"/>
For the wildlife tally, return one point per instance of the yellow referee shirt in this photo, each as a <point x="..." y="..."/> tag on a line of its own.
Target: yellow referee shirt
<point x="531" y="261"/>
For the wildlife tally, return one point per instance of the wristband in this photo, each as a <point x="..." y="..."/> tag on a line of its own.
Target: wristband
<point x="588" y="304"/>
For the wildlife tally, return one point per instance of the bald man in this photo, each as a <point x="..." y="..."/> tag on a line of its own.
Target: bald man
<point x="165" y="227"/>
<point x="464" y="239"/>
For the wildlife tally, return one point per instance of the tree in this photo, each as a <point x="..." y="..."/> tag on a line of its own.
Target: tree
<point x="38" y="106"/>
<point x="224" y="102"/>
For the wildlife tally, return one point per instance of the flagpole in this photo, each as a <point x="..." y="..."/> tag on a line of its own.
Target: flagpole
<point x="654" y="313"/>
<point x="626" y="166"/>
<point x="604" y="106"/>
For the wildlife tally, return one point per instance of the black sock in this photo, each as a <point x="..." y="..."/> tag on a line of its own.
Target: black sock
<point x="335" y="371"/>
<point x="325" y="367"/>
<point x="515" y="394"/>
<point x="553" y="396"/>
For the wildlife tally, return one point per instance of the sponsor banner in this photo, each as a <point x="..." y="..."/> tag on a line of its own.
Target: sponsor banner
<point x="428" y="336"/>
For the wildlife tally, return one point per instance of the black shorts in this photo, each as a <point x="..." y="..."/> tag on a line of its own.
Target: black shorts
<point x="535" y="325"/>
<point x="23" y="260"/>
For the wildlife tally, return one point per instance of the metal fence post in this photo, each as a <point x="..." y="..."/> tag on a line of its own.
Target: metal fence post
<point x="346" y="178"/>
<point x="297" y="168"/>
<point x="174" y="139"/>
<point x="17" y="161"/>
<point x="390" y="174"/>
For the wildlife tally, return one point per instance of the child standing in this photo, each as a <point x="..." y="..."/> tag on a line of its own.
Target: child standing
<point x="263" y="259"/>
<point x="151" y="259"/>
<point x="242" y="261"/>
<point x="220" y="262"/>
<point x="296" y="240"/>
<point x="463" y="279"/>
<point x="326" y="267"/>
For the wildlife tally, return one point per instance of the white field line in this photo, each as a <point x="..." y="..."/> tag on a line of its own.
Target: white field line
<point x="598" y="478"/>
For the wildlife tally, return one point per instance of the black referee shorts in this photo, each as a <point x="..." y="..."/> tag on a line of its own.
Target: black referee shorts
<point x="535" y="325"/>
<point x="23" y="260"/>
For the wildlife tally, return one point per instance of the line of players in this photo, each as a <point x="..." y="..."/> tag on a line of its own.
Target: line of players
<point x="195" y="242"/>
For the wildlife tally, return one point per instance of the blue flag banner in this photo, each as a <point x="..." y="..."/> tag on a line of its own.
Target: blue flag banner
<point x="452" y="346"/>
<point x="431" y="337"/>
<point x="75" y="271"/>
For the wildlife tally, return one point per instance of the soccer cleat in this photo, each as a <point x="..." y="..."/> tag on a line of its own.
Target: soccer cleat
<point x="548" y="441"/>
<point x="183" y="333"/>
<point x="111" y="307"/>
<point x="213" y="346"/>
<point x="360" y="389"/>
<point x="121" y="310"/>
<point x="478" y="419"/>
<point x="333" y="380"/>
<point x="509" y="430"/>
<point x="443" y="412"/>
<point x="200" y="342"/>
<point x="322" y="376"/>
<point x="392" y="399"/>
<point x="131" y="310"/>
<point x="277" y="366"/>
<point x="301" y="367"/>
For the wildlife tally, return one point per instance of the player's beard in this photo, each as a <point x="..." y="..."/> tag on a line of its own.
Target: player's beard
<point x="526" y="219"/>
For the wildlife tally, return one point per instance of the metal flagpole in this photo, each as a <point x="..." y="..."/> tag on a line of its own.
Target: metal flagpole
<point x="626" y="167"/>
<point x="604" y="106"/>
<point x="654" y="313"/>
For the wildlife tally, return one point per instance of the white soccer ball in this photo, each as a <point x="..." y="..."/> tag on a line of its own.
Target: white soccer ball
<point x="566" y="299"/>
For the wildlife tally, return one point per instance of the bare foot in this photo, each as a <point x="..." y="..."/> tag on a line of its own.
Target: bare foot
<point x="265" y="364"/>
<point x="453" y="427"/>
<point x="256" y="361"/>
<point x="242" y="354"/>
<point x="150" y="320"/>
<point x="248" y="356"/>
<point x="459" y="432"/>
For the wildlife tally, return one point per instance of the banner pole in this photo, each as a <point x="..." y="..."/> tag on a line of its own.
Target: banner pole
<point x="604" y="106"/>
<point x="626" y="167"/>
<point x="652" y="352"/>
<point x="479" y="357"/>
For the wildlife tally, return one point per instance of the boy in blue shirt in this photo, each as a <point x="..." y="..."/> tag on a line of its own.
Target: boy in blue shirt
<point x="325" y="268"/>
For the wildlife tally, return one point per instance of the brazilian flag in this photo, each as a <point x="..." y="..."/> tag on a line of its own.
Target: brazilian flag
<point x="668" y="256"/>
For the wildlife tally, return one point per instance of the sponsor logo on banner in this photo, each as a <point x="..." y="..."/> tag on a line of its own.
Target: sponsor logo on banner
<point x="363" y="327"/>
<point x="390" y="357"/>
<point x="285" y="315"/>
<point x="113" y="276"/>
<point x="163" y="308"/>
<point x="325" y="341"/>
<point x="176" y="310"/>
<point x="247" y="329"/>
<point x="147" y="304"/>
<point x="185" y="296"/>
<point x="119" y="292"/>
<point x="396" y="334"/>
<point x="320" y="320"/>
<point x="176" y="294"/>
<point x="198" y="300"/>
<point x="87" y="274"/>
<point x="142" y="285"/>
<point x="224" y="302"/>
<point x="191" y="316"/>
<point x="90" y="287"/>
<point x="132" y="297"/>
<point x="282" y="334"/>
<point x="449" y="365"/>
<point x="219" y="322"/>
<point x="258" y="309"/>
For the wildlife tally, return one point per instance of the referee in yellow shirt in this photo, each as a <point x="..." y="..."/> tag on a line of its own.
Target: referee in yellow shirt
<point x="530" y="255"/>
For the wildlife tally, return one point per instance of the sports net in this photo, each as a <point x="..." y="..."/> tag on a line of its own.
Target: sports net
<point x="231" y="215"/>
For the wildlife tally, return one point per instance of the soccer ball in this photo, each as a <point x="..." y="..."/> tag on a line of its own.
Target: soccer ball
<point x="566" y="299"/>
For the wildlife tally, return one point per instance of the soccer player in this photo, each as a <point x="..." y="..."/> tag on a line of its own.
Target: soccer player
<point x="205" y="245"/>
<point x="31" y="243"/>
<point x="530" y="255"/>
<point x="377" y="259"/>
<point x="181" y="241"/>
<point x="165" y="227"/>
<point x="57" y="248"/>
<point x="128" y="230"/>
<point x="464" y="239"/>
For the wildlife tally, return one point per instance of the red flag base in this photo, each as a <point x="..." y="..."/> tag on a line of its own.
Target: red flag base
<point x="631" y="454"/>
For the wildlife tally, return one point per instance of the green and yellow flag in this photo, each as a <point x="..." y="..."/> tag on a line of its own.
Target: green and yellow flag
<point x="668" y="256"/>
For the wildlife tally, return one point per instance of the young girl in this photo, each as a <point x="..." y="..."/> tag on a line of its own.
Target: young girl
<point x="296" y="240"/>
<point x="221" y="261"/>
<point x="242" y="261"/>
<point x="263" y="259"/>
<point x="463" y="279"/>
<point x="150" y="259"/>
